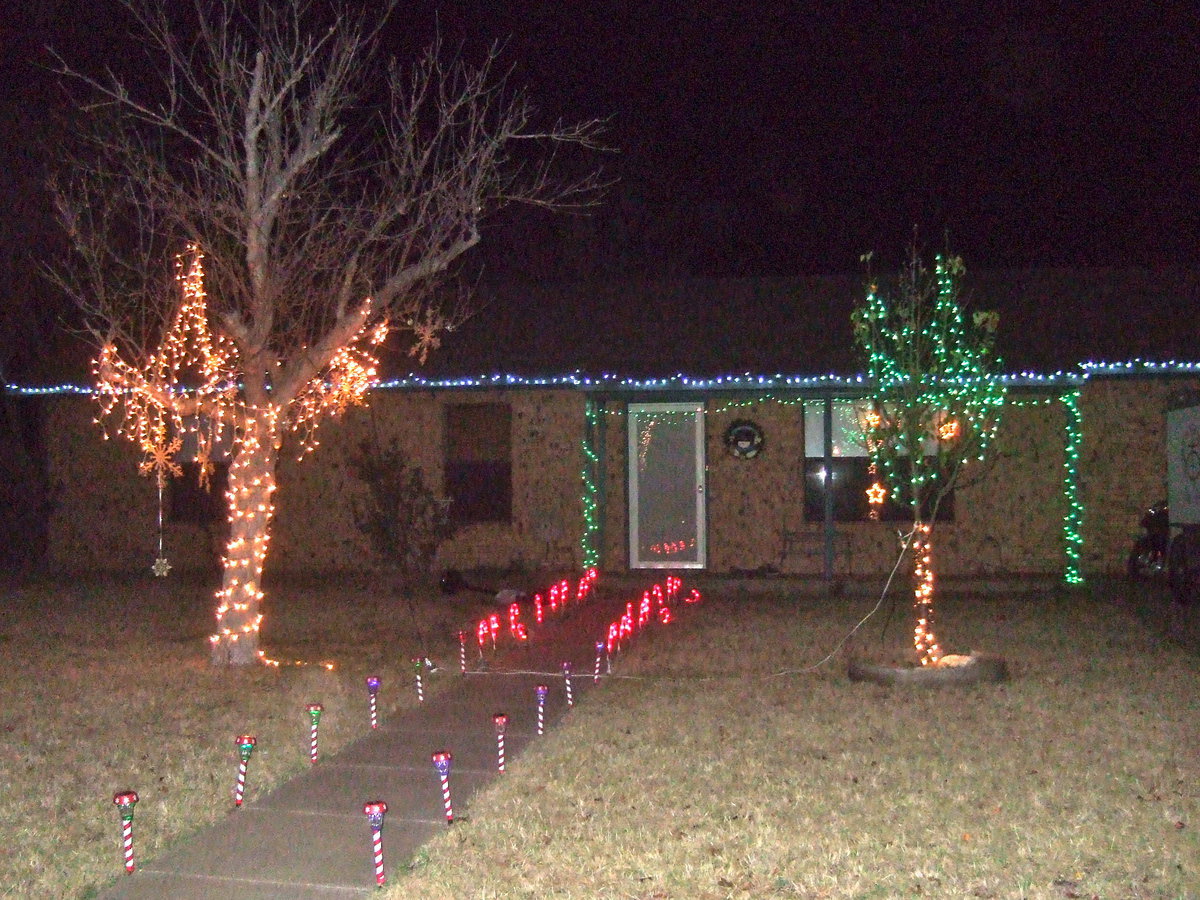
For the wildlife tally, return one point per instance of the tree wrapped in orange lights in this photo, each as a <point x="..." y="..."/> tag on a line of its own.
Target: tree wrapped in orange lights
<point x="316" y="199"/>
<point x="937" y="394"/>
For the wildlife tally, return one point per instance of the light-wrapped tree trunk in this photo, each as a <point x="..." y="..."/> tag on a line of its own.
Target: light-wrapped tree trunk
<point x="251" y="508"/>
<point x="924" y="638"/>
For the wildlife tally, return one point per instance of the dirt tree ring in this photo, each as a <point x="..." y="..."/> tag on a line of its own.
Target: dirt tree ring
<point x="978" y="668"/>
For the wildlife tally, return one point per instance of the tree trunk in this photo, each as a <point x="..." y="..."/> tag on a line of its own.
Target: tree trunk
<point x="924" y="638"/>
<point x="251" y="507"/>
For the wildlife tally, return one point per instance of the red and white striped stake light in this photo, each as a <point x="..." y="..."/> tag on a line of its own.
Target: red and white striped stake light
<point x="500" y="720"/>
<point x="124" y="801"/>
<point x="374" y="812"/>
<point x="314" y="712"/>
<point x="542" y="691"/>
<point x="566" y="670"/>
<point x="417" y="665"/>
<point x="441" y="762"/>
<point x="372" y="695"/>
<point x="599" y="657"/>
<point x="462" y="652"/>
<point x="245" y="744"/>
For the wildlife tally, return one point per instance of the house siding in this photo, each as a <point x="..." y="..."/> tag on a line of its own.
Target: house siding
<point x="1009" y="520"/>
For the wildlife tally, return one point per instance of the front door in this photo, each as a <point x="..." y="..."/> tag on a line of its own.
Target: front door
<point x="666" y="486"/>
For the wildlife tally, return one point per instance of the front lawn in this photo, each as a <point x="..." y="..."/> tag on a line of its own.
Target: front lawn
<point x="715" y="763"/>
<point x="721" y="768"/>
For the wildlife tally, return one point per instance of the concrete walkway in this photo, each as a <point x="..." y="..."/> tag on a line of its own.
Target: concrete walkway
<point x="309" y="838"/>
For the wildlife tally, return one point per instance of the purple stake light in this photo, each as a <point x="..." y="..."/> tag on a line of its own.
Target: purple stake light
<point x="372" y="694"/>
<point x="566" y="670"/>
<point x="124" y="801"/>
<point x="500" y="720"/>
<point x="374" y="812"/>
<point x="441" y="762"/>
<point x="314" y="712"/>
<point x="245" y="744"/>
<point x="542" y="691"/>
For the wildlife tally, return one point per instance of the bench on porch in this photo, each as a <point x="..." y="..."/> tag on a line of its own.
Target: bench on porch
<point x="809" y="544"/>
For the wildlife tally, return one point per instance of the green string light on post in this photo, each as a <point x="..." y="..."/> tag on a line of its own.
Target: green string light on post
<point x="1073" y="520"/>
<point x="589" y="552"/>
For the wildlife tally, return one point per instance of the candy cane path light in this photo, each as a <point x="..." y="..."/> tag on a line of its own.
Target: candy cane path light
<point x="542" y="691"/>
<point x="374" y="812"/>
<point x="566" y="670"/>
<point x="125" y="801"/>
<point x="462" y="652"/>
<point x="417" y="664"/>
<point x="441" y="764"/>
<point x="599" y="657"/>
<point x="372" y="693"/>
<point x="245" y="744"/>
<point x="314" y="712"/>
<point x="500" y="720"/>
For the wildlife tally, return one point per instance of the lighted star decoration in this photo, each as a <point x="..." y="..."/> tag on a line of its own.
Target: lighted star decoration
<point x="948" y="431"/>
<point x="876" y="494"/>
<point x="160" y="459"/>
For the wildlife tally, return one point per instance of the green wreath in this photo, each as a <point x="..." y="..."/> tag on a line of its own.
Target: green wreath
<point x="744" y="439"/>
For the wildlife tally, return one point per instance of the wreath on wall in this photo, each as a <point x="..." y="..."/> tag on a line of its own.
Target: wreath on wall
<point x="744" y="439"/>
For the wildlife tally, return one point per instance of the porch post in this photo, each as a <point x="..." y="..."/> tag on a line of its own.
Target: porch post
<point x="829" y="529"/>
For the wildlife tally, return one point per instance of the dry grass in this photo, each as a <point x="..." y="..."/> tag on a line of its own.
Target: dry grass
<point x="703" y="775"/>
<point x="710" y="776"/>
<point x="108" y="687"/>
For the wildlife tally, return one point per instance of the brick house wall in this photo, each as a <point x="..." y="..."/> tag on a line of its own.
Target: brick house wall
<point x="1010" y="520"/>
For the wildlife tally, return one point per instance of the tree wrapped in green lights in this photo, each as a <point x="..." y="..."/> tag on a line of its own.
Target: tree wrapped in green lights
<point x="937" y="394"/>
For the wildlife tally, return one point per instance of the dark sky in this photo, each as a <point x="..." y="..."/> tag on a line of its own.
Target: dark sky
<point x="793" y="136"/>
<point x="784" y="138"/>
<point x="789" y="137"/>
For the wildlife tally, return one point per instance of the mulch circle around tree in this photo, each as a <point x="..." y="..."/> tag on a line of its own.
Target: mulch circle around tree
<point x="977" y="668"/>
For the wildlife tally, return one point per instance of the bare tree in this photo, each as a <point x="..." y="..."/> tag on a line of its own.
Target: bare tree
<point x="246" y="231"/>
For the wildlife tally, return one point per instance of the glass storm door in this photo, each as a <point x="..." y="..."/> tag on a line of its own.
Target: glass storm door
<point x="666" y="486"/>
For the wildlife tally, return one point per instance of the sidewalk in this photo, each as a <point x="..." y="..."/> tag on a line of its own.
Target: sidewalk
<point x="309" y="839"/>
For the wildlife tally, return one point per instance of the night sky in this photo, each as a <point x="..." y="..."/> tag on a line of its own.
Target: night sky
<point x="787" y="138"/>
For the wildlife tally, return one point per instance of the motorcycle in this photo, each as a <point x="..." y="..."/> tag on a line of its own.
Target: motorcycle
<point x="1148" y="558"/>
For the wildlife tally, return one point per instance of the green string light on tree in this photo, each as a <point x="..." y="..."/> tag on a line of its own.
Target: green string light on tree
<point x="936" y="399"/>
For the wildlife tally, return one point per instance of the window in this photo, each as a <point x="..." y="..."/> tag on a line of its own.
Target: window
<point x="197" y="504"/>
<point x="850" y="471"/>
<point x="478" y="465"/>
